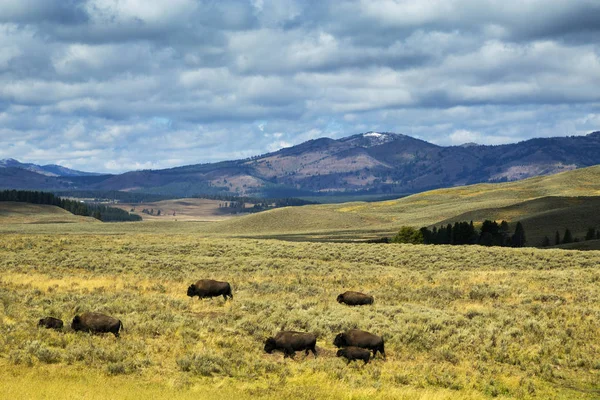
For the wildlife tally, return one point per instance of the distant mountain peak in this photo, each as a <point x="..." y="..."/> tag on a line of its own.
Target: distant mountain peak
<point x="374" y="134"/>
<point x="469" y="144"/>
<point x="371" y="138"/>
<point x="52" y="170"/>
<point x="371" y="162"/>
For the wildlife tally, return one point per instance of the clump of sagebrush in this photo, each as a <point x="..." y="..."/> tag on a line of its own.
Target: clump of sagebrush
<point x="490" y="321"/>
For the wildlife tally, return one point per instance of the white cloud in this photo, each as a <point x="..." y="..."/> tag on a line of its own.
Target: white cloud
<point x="196" y="81"/>
<point x="461" y="136"/>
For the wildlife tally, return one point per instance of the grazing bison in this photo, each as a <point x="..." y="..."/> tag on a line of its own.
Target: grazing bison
<point x="355" y="298"/>
<point x="50" y="322"/>
<point x="209" y="288"/>
<point x="96" y="323"/>
<point x="358" y="338"/>
<point x="289" y="342"/>
<point x="353" y="353"/>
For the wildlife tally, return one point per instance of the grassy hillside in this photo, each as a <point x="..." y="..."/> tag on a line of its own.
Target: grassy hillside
<point x="417" y="210"/>
<point x="542" y="217"/>
<point x="459" y="322"/>
<point x="25" y="213"/>
<point x="180" y="210"/>
<point x="586" y="245"/>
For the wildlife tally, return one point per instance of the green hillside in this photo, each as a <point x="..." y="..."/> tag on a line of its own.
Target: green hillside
<point x="26" y="213"/>
<point x="418" y="210"/>
<point x="542" y="217"/>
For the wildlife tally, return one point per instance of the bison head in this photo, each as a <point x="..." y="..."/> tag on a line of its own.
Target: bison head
<point x="76" y="324"/>
<point x="340" y="340"/>
<point x="340" y="298"/>
<point x="340" y="353"/>
<point x="191" y="291"/>
<point x="270" y="345"/>
<point x="41" y="322"/>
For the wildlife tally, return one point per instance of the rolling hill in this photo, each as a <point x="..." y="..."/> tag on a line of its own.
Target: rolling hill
<point x="191" y="209"/>
<point x="512" y="201"/>
<point x="25" y="213"/>
<point x="368" y="163"/>
<point x="47" y="170"/>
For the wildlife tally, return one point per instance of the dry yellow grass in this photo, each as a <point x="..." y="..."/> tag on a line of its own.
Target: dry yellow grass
<point x="25" y="213"/>
<point x="179" y="210"/>
<point x="459" y="322"/>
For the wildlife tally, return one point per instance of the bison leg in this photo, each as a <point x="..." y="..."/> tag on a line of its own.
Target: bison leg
<point x="314" y="351"/>
<point x="288" y="352"/>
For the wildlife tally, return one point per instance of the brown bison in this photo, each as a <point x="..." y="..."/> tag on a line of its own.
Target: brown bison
<point x="289" y="342"/>
<point x="50" y="322"/>
<point x="96" y="323"/>
<point x="353" y="353"/>
<point x="209" y="288"/>
<point x="355" y="298"/>
<point x="358" y="338"/>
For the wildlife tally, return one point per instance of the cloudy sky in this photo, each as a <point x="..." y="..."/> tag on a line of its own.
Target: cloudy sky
<point x="116" y="85"/>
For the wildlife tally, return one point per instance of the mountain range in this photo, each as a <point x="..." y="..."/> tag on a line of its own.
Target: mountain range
<point x="367" y="163"/>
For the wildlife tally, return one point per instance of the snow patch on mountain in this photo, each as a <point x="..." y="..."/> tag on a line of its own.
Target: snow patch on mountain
<point x="376" y="138"/>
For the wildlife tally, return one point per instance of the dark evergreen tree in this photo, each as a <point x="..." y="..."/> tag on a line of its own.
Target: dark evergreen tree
<point x="568" y="238"/>
<point x="546" y="241"/>
<point x="518" y="239"/>
<point x="490" y="234"/>
<point x="427" y="235"/>
<point x="557" y="238"/>
<point x="504" y="232"/>
<point x="591" y="234"/>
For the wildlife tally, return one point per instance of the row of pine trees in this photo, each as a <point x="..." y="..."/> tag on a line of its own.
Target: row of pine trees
<point x="98" y="211"/>
<point x="567" y="237"/>
<point x="490" y="234"/>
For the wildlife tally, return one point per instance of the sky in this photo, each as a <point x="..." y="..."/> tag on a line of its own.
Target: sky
<point x="118" y="85"/>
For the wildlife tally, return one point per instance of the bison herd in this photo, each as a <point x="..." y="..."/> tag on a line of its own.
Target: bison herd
<point x="354" y="344"/>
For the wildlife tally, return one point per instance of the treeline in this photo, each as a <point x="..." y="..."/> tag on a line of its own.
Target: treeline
<point x="107" y="195"/>
<point x="490" y="234"/>
<point x="567" y="237"/>
<point x="236" y="204"/>
<point x="273" y="202"/>
<point x="111" y="214"/>
<point x="98" y="211"/>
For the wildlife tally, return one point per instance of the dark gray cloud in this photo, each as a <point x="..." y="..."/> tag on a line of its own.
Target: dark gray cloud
<point x="114" y="85"/>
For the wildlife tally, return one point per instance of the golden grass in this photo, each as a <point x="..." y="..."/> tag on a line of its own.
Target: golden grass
<point x="459" y="322"/>
<point x="418" y="210"/>
<point x="24" y="213"/>
<point x="179" y="210"/>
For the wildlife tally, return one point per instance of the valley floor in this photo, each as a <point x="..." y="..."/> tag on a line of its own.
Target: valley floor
<point x="458" y="322"/>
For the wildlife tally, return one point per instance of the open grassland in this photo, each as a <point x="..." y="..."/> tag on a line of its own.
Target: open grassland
<point x="459" y="322"/>
<point x="25" y="213"/>
<point x="418" y="210"/>
<point x="179" y="210"/>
